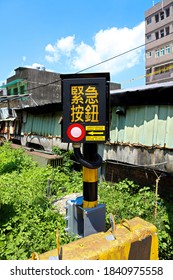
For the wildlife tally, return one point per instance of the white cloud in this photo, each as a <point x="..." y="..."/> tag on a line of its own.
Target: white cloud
<point x="64" y="46"/>
<point x="52" y="58"/>
<point x="36" y="66"/>
<point x="85" y="55"/>
<point x="50" y="48"/>
<point x="107" y="44"/>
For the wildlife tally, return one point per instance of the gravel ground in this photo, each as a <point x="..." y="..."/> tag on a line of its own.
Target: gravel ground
<point x="60" y="203"/>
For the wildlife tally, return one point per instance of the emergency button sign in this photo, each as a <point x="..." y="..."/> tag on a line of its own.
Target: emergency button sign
<point x="85" y="100"/>
<point x="76" y="132"/>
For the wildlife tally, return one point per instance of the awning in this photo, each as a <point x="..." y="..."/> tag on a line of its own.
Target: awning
<point x="11" y="83"/>
<point x="7" y="120"/>
<point x="6" y="98"/>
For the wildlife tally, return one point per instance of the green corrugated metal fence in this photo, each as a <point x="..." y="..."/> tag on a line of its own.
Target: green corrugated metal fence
<point x="143" y="125"/>
<point x="43" y="125"/>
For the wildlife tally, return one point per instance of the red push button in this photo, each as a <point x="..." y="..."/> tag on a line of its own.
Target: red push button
<point x="76" y="132"/>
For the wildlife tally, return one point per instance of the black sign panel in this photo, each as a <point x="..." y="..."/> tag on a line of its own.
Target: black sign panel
<point x="85" y="107"/>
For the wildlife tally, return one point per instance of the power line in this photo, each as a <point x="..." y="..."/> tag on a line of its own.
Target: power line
<point x="94" y="65"/>
<point x="106" y="60"/>
<point x="113" y="57"/>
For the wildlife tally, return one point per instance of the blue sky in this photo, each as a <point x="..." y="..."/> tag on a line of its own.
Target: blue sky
<point x="68" y="36"/>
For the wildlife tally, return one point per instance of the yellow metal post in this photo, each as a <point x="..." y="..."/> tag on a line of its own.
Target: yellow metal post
<point x="90" y="178"/>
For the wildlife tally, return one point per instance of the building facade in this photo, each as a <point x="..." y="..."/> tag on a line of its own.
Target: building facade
<point x="159" y="42"/>
<point x="34" y="86"/>
<point x="141" y="146"/>
<point x="27" y="88"/>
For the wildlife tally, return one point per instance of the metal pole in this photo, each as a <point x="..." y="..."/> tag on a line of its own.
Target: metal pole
<point x="90" y="177"/>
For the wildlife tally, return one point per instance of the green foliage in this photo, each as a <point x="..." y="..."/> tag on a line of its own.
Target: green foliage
<point x="127" y="200"/>
<point x="164" y="224"/>
<point x="28" y="220"/>
<point x="68" y="157"/>
<point x="63" y="183"/>
<point x="13" y="159"/>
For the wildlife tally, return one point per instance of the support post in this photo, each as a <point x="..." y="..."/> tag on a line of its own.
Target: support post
<point x="90" y="177"/>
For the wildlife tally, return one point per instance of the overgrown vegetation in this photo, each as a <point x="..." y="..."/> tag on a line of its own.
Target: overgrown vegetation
<point x="27" y="218"/>
<point x="127" y="200"/>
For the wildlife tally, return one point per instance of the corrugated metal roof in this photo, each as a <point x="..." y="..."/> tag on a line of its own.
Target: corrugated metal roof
<point x="154" y="94"/>
<point x="40" y="109"/>
<point x="145" y="87"/>
<point x="6" y="98"/>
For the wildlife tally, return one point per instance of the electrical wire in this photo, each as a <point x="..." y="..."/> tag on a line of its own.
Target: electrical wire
<point x="94" y="65"/>
<point x="113" y="57"/>
<point x="59" y="80"/>
<point x="106" y="60"/>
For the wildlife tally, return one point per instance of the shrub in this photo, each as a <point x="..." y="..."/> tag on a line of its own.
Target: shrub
<point x="28" y="221"/>
<point x="127" y="200"/>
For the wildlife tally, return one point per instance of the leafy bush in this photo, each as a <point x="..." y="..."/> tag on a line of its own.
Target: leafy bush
<point x="27" y="219"/>
<point x="13" y="159"/>
<point x="127" y="200"/>
<point x="164" y="224"/>
<point x="68" y="159"/>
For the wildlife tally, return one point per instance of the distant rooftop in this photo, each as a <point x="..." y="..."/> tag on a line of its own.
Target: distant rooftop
<point x="159" y="93"/>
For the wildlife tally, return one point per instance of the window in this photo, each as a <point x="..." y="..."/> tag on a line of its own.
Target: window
<point x="167" y="11"/>
<point x="167" y="30"/>
<point x="15" y="91"/>
<point x="168" y="49"/>
<point x="157" y="18"/>
<point x="157" y="70"/>
<point x="149" y="37"/>
<point x="157" y="35"/>
<point x="162" y="15"/>
<point x="157" y="53"/>
<point x="149" y="20"/>
<point x="149" y="71"/>
<point x="168" y="68"/>
<point x="22" y="90"/>
<point x="162" y="33"/>
<point x="162" y="51"/>
<point x="149" y="54"/>
<point x="8" y="91"/>
<point x="160" y="69"/>
<point x="164" y="69"/>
